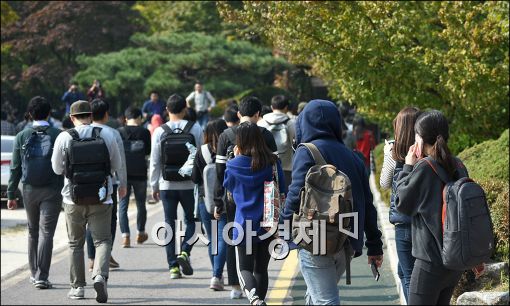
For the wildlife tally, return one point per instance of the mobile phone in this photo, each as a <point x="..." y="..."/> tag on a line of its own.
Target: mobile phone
<point x="375" y="271"/>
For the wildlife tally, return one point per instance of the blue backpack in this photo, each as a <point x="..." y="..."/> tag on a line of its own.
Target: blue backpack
<point x="36" y="159"/>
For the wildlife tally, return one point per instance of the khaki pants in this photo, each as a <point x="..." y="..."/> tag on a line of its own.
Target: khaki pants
<point x="99" y="219"/>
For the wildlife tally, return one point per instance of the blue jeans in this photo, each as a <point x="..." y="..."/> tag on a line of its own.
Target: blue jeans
<point x="202" y="120"/>
<point x="403" y="240"/>
<point x="218" y="260"/>
<point x="91" y="250"/>
<point x="140" y="190"/>
<point x="322" y="274"/>
<point x="171" y="199"/>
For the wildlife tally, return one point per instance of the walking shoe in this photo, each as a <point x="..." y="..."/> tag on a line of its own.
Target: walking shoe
<point x="236" y="294"/>
<point x="76" y="293"/>
<point x="100" y="287"/>
<point x="126" y="242"/>
<point x="32" y="280"/>
<point x="175" y="273"/>
<point x="142" y="237"/>
<point x="43" y="284"/>
<point x="184" y="262"/>
<point x="91" y="264"/>
<point x="259" y="302"/>
<point x="217" y="284"/>
<point x="113" y="263"/>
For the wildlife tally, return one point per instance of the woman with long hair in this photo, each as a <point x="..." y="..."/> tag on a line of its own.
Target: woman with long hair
<point x="419" y="191"/>
<point x="212" y="132"/>
<point x="394" y="159"/>
<point x="244" y="177"/>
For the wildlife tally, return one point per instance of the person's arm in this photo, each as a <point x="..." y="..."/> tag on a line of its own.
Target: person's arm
<point x="198" y="166"/>
<point x="281" y="178"/>
<point x="146" y="136"/>
<point x="155" y="160"/>
<point x="58" y="157"/>
<point x="189" y="98"/>
<point x="408" y="187"/>
<point x="221" y="160"/>
<point x="301" y="163"/>
<point x="387" y="170"/>
<point x="372" y="232"/>
<point x="64" y="97"/>
<point x="211" y="100"/>
<point x="122" y="172"/>
<point x="15" y="176"/>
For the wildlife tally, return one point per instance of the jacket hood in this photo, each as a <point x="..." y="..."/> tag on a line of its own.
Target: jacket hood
<point x="240" y="167"/>
<point x="319" y="119"/>
<point x="275" y="118"/>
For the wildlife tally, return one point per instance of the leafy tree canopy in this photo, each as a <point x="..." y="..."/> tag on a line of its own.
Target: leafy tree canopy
<point x="172" y="63"/>
<point x="452" y="56"/>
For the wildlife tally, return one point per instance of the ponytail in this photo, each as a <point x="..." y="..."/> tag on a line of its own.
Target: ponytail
<point x="443" y="156"/>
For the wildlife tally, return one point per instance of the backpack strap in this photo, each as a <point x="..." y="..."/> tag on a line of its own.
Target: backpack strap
<point x="188" y="127"/>
<point x="316" y="154"/>
<point x="166" y="128"/>
<point x="231" y="135"/>
<point x="123" y="132"/>
<point x="437" y="169"/>
<point x="206" y="154"/>
<point x="74" y="134"/>
<point x="96" y="131"/>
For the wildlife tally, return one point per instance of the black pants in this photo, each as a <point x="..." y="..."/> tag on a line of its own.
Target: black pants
<point x="233" y="279"/>
<point x="432" y="284"/>
<point x="252" y="269"/>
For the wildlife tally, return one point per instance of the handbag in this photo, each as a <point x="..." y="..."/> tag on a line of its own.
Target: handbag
<point x="272" y="201"/>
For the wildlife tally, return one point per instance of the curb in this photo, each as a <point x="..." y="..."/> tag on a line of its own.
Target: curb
<point x="388" y="230"/>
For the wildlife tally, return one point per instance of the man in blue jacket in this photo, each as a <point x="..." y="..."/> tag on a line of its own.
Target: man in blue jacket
<point x="320" y="124"/>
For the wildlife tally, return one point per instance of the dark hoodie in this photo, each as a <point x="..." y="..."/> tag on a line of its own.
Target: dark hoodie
<point x="247" y="188"/>
<point x="319" y="123"/>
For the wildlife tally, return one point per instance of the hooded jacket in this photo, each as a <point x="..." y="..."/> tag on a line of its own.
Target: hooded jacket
<point x="319" y="123"/>
<point x="247" y="188"/>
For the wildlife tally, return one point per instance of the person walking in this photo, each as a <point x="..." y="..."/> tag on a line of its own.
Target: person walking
<point x="365" y="142"/>
<point x="248" y="111"/>
<point x="96" y="91"/>
<point x="100" y="116"/>
<point x="31" y="163"/>
<point x="203" y="102"/>
<point x="283" y="129"/>
<point x="137" y="145"/>
<point x="72" y="95"/>
<point x="394" y="159"/>
<point x="153" y="106"/>
<point x="205" y="156"/>
<point x="156" y="121"/>
<point x="320" y="124"/>
<point x="168" y="155"/>
<point x="419" y="195"/>
<point x="87" y="198"/>
<point x="254" y="164"/>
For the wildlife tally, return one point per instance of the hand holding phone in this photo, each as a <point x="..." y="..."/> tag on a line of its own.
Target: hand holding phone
<point x="375" y="271"/>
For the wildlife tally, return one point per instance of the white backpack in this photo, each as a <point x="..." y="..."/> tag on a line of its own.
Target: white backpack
<point x="209" y="178"/>
<point x="283" y="142"/>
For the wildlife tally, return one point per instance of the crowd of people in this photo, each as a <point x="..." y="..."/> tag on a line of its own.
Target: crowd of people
<point x="229" y="170"/>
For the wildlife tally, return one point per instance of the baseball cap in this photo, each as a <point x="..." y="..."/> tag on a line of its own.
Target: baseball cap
<point x="80" y="107"/>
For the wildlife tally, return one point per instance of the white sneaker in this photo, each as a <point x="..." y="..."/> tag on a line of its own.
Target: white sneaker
<point x="217" y="284"/>
<point x="76" y="293"/>
<point x="236" y="294"/>
<point x="100" y="287"/>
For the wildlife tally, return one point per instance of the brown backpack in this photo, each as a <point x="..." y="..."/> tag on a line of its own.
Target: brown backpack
<point x="326" y="194"/>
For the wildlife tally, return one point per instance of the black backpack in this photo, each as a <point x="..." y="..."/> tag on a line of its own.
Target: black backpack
<point x="228" y="198"/>
<point x="174" y="152"/>
<point x="135" y="154"/>
<point x="88" y="168"/>
<point x="36" y="159"/>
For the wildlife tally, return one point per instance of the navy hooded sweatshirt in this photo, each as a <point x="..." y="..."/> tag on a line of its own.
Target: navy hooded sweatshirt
<point x="247" y="188"/>
<point x="320" y="124"/>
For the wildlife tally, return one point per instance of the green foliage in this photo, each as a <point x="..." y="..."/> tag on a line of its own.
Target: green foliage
<point x="487" y="164"/>
<point x="379" y="159"/>
<point x="172" y="63"/>
<point x="452" y="56"/>
<point x="8" y="15"/>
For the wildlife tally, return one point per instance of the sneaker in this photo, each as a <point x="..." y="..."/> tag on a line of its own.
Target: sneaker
<point x="113" y="263"/>
<point x="217" y="284"/>
<point x="141" y="238"/>
<point x="76" y="293"/>
<point x="43" y="284"/>
<point x="175" y="273"/>
<point x="100" y="287"/>
<point x="126" y="242"/>
<point x="91" y="264"/>
<point x="236" y="294"/>
<point x="32" y="280"/>
<point x="184" y="262"/>
<point x="259" y="302"/>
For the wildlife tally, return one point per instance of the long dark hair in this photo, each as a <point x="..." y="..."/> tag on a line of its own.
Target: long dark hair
<point x="212" y="132"/>
<point x="403" y="125"/>
<point x="250" y="142"/>
<point x="432" y="126"/>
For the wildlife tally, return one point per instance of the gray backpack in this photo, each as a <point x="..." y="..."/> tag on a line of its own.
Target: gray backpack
<point x="283" y="142"/>
<point x="326" y="194"/>
<point x="468" y="238"/>
<point x="209" y="178"/>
